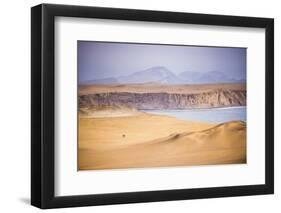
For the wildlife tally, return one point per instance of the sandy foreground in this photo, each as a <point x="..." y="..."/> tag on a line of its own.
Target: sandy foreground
<point x="146" y="140"/>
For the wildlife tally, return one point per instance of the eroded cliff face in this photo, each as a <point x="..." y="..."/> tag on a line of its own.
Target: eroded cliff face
<point x="150" y="101"/>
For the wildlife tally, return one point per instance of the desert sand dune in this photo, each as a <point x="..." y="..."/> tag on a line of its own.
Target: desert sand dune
<point x="146" y="140"/>
<point x="107" y="111"/>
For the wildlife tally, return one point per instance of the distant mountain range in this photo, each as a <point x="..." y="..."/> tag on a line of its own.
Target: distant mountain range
<point x="162" y="75"/>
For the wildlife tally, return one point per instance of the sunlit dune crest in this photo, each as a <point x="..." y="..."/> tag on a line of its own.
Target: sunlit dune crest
<point x="145" y="140"/>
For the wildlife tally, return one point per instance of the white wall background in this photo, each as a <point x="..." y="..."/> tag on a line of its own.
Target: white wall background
<point x="15" y="105"/>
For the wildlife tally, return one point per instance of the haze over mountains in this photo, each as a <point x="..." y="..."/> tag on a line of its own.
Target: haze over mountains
<point x="162" y="75"/>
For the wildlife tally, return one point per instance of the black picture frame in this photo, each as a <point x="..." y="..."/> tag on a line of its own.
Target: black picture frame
<point x="43" y="111"/>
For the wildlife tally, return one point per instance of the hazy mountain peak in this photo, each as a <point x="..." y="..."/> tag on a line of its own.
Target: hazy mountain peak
<point x="162" y="75"/>
<point x="213" y="76"/>
<point x="161" y="70"/>
<point x="158" y="74"/>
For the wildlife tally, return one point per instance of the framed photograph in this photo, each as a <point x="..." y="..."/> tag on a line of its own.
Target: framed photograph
<point x="136" y="106"/>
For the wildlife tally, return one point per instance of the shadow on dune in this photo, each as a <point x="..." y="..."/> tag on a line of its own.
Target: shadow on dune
<point x="221" y="144"/>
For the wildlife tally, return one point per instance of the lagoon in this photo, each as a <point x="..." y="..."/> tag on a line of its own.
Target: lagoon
<point x="214" y="115"/>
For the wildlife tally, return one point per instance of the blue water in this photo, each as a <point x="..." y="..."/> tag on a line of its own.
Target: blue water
<point x="215" y="115"/>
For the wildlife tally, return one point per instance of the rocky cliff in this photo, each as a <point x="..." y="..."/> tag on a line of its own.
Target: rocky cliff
<point x="216" y="98"/>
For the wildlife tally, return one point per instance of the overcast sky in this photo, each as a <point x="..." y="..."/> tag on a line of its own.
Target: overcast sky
<point x="97" y="60"/>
